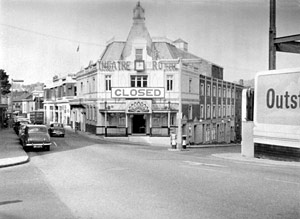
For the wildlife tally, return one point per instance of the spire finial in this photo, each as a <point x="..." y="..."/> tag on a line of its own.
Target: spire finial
<point x="138" y="12"/>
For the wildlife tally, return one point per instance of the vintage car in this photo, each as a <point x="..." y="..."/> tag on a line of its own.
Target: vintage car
<point x="21" y="131"/>
<point x="36" y="136"/>
<point x="56" y="129"/>
<point x="19" y="122"/>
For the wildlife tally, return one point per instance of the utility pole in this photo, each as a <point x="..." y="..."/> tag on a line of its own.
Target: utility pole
<point x="272" y="35"/>
<point x="179" y="116"/>
<point x="288" y="44"/>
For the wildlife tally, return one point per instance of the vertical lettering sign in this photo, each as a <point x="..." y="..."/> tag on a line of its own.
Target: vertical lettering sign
<point x="278" y="98"/>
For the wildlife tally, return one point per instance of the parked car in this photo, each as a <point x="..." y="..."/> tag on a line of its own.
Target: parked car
<point x="5" y="123"/>
<point x="15" y="118"/>
<point x="36" y="136"/>
<point x="19" y="122"/>
<point x="56" y="129"/>
<point x="21" y="131"/>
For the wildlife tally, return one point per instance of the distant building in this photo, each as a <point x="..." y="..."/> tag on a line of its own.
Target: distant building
<point x="18" y="97"/>
<point x="27" y="104"/>
<point x="3" y="109"/>
<point x="56" y="99"/>
<point x="133" y="89"/>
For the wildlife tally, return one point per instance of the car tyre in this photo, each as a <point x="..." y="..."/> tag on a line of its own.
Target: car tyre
<point x="25" y="148"/>
<point x="47" y="148"/>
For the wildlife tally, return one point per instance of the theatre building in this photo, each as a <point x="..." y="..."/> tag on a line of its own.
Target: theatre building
<point x="143" y="85"/>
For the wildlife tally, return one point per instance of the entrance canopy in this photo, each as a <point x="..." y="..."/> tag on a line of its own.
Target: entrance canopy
<point x="139" y="106"/>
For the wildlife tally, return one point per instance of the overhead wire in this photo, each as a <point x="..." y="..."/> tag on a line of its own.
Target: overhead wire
<point x="52" y="36"/>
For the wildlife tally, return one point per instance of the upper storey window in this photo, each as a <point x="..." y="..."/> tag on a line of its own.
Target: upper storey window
<point x="139" y="81"/>
<point x="138" y="54"/>
<point x="107" y="82"/>
<point x="169" y="82"/>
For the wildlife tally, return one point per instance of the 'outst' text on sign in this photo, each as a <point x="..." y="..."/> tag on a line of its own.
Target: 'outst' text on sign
<point x="137" y="92"/>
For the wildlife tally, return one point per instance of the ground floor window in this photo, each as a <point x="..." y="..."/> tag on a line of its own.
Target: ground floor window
<point x="159" y="119"/>
<point x="213" y="133"/>
<point x="207" y="134"/>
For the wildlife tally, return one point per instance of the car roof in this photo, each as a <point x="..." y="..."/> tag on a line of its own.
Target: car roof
<point x="57" y="124"/>
<point x="23" y="119"/>
<point x="32" y="126"/>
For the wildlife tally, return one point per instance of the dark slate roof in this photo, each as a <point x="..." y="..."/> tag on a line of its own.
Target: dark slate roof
<point x="22" y="97"/>
<point x="178" y="53"/>
<point x="159" y="50"/>
<point x="179" y="40"/>
<point x="113" y="51"/>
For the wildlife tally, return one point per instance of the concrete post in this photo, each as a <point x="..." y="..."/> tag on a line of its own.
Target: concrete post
<point x="247" y="139"/>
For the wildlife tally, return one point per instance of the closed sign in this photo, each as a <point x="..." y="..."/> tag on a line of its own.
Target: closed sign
<point x="137" y="92"/>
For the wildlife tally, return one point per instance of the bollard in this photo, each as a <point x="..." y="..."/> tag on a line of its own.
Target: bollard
<point x="173" y="140"/>
<point x="183" y="141"/>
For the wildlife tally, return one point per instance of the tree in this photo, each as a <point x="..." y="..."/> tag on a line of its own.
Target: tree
<point x="4" y="83"/>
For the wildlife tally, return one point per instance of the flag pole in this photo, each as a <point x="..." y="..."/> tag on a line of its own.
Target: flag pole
<point x="78" y="50"/>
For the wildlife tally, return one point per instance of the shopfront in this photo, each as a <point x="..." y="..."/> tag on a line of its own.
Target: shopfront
<point x="137" y="116"/>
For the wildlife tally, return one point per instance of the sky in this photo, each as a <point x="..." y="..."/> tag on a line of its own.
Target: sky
<point x="39" y="38"/>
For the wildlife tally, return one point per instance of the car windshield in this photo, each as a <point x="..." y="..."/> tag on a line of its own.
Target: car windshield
<point x="37" y="129"/>
<point x="24" y="122"/>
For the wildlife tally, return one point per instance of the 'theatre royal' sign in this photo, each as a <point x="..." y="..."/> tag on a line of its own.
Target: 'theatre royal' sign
<point x="137" y="92"/>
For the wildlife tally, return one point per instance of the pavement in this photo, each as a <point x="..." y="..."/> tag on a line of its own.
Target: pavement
<point x="12" y="153"/>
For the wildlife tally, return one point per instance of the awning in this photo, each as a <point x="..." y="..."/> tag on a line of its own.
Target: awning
<point x="77" y="105"/>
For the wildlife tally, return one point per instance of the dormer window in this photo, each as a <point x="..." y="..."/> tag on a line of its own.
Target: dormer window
<point x="138" y="54"/>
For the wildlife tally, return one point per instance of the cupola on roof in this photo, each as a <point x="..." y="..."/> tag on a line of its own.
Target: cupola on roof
<point x="137" y="31"/>
<point x="138" y="12"/>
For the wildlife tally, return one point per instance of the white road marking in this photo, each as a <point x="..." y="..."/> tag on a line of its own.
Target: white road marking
<point x="202" y="164"/>
<point x="206" y="169"/>
<point x="55" y="143"/>
<point x="283" y="181"/>
<point x="253" y="164"/>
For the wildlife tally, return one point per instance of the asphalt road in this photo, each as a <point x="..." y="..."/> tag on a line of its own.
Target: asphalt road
<point x="87" y="178"/>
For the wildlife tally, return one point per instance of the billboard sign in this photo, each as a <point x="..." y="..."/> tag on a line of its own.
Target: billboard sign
<point x="277" y="107"/>
<point x="278" y="98"/>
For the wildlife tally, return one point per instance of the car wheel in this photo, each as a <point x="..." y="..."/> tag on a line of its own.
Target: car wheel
<point x="63" y="136"/>
<point x="47" y="148"/>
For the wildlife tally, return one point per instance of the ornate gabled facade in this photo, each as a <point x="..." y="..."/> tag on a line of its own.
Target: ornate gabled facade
<point x="134" y="89"/>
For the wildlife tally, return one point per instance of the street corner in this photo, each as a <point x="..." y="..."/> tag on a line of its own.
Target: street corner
<point x="13" y="161"/>
<point x="240" y="157"/>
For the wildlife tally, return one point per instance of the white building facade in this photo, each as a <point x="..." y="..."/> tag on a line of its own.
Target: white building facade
<point x="141" y="86"/>
<point x="56" y="99"/>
